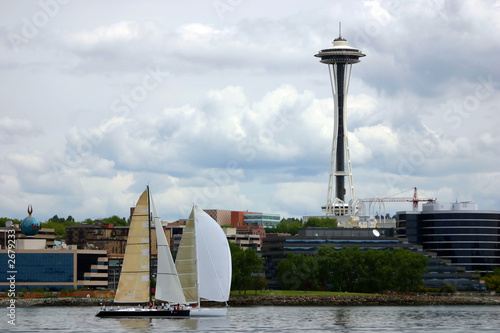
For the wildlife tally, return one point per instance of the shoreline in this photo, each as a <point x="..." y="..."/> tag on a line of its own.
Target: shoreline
<point x="280" y="300"/>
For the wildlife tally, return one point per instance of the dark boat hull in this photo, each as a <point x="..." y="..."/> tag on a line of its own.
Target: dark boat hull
<point x="142" y="313"/>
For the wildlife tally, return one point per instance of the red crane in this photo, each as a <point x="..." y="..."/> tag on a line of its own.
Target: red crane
<point x="415" y="199"/>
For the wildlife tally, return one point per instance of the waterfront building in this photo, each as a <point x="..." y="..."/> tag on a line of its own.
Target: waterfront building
<point x="458" y="232"/>
<point x="439" y="272"/>
<point x="53" y="269"/>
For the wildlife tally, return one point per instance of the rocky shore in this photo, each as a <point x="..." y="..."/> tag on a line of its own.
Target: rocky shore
<point x="310" y="300"/>
<point x="301" y="300"/>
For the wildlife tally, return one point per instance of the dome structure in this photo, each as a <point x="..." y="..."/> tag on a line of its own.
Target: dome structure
<point x="30" y="225"/>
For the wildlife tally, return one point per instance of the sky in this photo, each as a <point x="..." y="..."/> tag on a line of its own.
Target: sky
<point x="222" y="104"/>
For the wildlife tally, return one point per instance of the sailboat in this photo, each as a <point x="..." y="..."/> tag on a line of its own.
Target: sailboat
<point x="203" y="263"/>
<point x="134" y="286"/>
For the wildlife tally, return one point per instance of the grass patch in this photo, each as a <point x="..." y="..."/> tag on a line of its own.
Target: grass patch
<point x="296" y="293"/>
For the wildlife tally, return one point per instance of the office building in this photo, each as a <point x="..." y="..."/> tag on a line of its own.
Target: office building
<point x="458" y="232"/>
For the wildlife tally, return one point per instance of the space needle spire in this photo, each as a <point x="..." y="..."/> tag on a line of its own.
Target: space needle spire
<point x="339" y="59"/>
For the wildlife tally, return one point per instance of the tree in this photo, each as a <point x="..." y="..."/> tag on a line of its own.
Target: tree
<point x="245" y="264"/>
<point x="408" y="269"/>
<point x="59" y="224"/>
<point x="339" y="269"/>
<point x="493" y="280"/>
<point x="259" y="283"/>
<point x="323" y="222"/>
<point x="448" y="289"/>
<point x="375" y="274"/>
<point x="298" y="272"/>
<point x="115" y="220"/>
<point x="56" y="219"/>
<point x="289" y="226"/>
<point x="353" y="269"/>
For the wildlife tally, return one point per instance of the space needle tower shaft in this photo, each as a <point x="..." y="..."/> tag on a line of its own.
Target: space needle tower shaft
<point x="339" y="59"/>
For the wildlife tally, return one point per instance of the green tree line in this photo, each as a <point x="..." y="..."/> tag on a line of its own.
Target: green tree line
<point x="3" y="221"/>
<point x="292" y="225"/>
<point x="353" y="269"/>
<point x="59" y="224"/>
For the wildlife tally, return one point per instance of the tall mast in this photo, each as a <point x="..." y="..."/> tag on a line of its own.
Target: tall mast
<point x="197" y="259"/>
<point x="150" y="264"/>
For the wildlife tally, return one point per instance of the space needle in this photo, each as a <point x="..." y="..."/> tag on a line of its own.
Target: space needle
<point x="339" y="59"/>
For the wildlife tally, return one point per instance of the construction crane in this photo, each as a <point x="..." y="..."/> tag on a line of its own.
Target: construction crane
<point x="415" y="199"/>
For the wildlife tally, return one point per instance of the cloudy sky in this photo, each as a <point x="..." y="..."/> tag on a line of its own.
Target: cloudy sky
<point x="223" y="104"/>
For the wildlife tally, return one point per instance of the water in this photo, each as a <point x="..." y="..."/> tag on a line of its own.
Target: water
<point x="269" y="319"/>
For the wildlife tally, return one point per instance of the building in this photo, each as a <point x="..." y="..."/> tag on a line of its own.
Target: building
<point x="261" y="219"/>
<point x="223" y="217"/>
<point x="243" y="218"/>
<point x="174" y="232"/>
<point x="458" y="232"/>
<point x="36" y="266"/>
<point x="340" y="57"/>
<point x="439" y="272"/>
<point x="99" y="235"/>
<point x="56" y="269"/>
<point x="244" y="238"/>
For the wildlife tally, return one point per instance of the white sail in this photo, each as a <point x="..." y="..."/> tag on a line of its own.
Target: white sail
<point x="214" y="258"/>
<point x="204" y="259"/>
<point x="168" y="286"/>
<point x="133" y="286"/>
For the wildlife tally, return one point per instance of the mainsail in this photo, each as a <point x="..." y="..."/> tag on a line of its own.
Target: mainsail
<point x="185" y="262"/>
<point x="133" y="286"/>
<point x="204" y="259"/>
<point x="168" y="286"/>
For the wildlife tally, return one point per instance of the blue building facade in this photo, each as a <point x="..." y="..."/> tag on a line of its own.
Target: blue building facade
<point x="53" y="270"/>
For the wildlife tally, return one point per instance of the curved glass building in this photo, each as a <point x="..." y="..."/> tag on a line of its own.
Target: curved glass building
<point x="459" y="232"/>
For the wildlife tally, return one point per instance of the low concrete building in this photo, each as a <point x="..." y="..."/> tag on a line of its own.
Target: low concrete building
<point x="244" y="240"/>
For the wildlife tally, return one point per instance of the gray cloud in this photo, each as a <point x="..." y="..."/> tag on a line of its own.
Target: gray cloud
<point x="231" y="109"/>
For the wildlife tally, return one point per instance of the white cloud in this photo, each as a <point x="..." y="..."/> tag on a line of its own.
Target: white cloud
<point x="200" y="35"/>
<point x="244" y="94"/>
<point x="120" y="32"/>
<point x="11" y="129"/>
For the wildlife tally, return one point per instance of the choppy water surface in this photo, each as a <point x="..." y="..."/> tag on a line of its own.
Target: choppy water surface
<point x="269" y="319"/>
